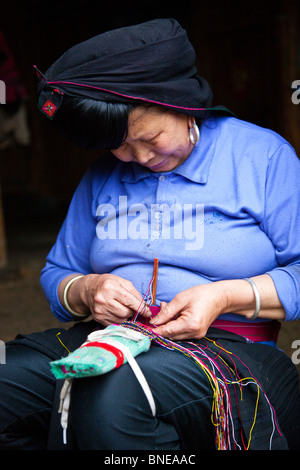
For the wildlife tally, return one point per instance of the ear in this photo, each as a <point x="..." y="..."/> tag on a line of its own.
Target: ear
<point x="191" y="121"/>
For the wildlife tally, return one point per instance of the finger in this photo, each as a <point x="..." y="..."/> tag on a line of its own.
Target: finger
<point x="144" y="310"/>
<point x="110" y="286"/>
<point x="185" y="327"/>
<point x="135" y="299"/>
<point x="130" y="288"/>
<point x="113" y="310"/>
<point x="132" y="304"/>
<point x="177" y="330"/>
<point x="113" y="288"/>
<point x="172" y="330"/>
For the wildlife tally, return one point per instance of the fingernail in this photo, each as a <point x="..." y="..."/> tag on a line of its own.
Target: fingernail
<point x="153" y="321"/>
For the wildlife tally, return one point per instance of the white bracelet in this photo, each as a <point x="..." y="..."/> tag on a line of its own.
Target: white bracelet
<point x="257" y="298"/>
<point x="66" y="304"/>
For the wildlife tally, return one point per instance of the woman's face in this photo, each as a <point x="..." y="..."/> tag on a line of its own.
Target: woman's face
<point x="156" y="139"/>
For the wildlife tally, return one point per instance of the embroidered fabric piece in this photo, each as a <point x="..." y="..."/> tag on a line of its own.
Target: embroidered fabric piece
<point x="50" y="105"/>
<point x="101" y="353"/>
<point x="49" y="108"/>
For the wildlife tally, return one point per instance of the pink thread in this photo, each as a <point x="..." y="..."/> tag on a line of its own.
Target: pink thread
<point x="274" y="412"/>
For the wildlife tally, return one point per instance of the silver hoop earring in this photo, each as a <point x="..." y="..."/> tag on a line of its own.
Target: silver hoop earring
<point x="194" y="138"/>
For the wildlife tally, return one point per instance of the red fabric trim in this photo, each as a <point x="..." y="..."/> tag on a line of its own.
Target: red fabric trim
<point x="108" y="347"/>
<point x="59" y="82"/>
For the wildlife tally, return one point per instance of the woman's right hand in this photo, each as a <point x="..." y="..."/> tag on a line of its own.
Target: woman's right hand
<point x="109" y="298"/>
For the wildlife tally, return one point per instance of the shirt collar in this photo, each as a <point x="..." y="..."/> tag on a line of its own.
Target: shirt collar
<point x="195" y="168"/>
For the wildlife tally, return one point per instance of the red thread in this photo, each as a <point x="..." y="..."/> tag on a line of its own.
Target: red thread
<point x="108" y="347"/>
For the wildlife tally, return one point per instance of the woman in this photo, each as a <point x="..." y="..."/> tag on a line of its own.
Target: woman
<point x="216" y="200"/>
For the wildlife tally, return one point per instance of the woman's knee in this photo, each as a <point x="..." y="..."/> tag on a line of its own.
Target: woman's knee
<point x="27" y="390"/>
<point x="111" y="412"/>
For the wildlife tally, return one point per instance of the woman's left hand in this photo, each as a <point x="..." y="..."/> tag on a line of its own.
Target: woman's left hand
<point x="191" y="312"/>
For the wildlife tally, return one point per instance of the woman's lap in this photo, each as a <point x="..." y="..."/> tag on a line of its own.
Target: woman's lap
<point x="27" y="391"/>
<point x="28" y="387"/>
<point x="115" y="406"/>
<point x="111" y="411"/>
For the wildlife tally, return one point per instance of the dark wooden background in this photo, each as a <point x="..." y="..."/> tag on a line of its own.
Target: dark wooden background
<point x="248" y="50"/>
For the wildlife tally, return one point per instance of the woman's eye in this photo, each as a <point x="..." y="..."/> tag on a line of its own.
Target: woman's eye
<point x="154" y="140"/>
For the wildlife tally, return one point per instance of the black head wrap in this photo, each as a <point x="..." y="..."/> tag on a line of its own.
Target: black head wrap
<point x="152" y="62"/>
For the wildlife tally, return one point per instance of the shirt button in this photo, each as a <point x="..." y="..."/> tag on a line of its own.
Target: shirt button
<point x="162" y="178"/>
<point x="155" y="233"/>
<point x="157" y="215"/>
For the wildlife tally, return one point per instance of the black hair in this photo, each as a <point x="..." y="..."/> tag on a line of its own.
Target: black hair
<point x="95" y="125"/>
<point x="92" y="124"/>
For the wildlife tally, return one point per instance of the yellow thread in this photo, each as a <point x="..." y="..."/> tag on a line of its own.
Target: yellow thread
<point x="256" y="407"/>
<point x="217" y="345"/>
<point x="217" y="394"/>
<point x="225" y="363"/>
<point x="62" y="342"/>
<point x="254" y="420"/>
<point x="218" y="412"/>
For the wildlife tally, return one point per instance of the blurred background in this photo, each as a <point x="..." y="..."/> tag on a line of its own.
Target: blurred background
<point x="248" y="50"/>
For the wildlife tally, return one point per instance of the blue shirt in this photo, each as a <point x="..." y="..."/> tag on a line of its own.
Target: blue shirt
<point x="231" y="210"/>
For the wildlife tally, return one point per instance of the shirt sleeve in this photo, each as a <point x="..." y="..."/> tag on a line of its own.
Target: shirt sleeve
<point x="71" y="251"/>
<point x="281" y="223"/>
